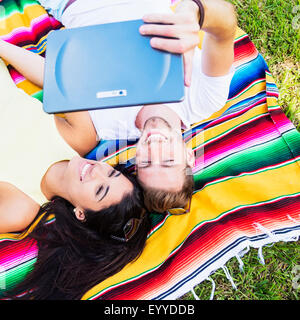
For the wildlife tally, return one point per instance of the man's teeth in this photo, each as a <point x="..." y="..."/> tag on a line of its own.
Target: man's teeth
<point x="84" y="170"/>
<point x="156" y="137"/>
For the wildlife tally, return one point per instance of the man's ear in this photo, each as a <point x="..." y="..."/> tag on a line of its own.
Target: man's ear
<point x="79" y="214"/>
<point x="190" y="157"/>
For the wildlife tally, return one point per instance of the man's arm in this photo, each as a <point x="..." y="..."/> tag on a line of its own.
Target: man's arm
<point x="218" y="44"/>
<point x="78" y="131"/>
<point x="219" y="26"/>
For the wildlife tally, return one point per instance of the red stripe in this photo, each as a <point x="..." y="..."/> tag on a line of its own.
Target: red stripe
<point x="208" y="240"/>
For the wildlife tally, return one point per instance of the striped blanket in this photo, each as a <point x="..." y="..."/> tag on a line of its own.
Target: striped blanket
<point x="247" y="178"/>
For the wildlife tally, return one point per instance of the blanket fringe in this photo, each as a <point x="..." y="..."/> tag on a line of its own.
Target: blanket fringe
<point x="194" y="294"/>
<point x="265" y="230"/>
<point x="261" y="256"/>
<point x="268" y="242"/>
<point x="213" y="288"/>
<point x="241" y="263"/>
<point x="229" y="277"/>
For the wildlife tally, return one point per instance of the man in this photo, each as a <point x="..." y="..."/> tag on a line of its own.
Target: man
<point x="163" y="162"/>
<point x="162" y="159"/>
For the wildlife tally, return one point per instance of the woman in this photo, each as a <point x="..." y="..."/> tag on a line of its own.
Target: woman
<point x="100" y="226"/>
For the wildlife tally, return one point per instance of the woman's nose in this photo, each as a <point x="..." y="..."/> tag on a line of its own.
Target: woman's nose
<point x="97" y="171"/>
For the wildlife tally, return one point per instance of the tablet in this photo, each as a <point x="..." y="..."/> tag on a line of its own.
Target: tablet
<point x="108" y="66"/>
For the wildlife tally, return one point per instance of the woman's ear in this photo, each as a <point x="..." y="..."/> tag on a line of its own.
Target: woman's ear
<point x="79" y="214"/>
<point x="190" y="157"/>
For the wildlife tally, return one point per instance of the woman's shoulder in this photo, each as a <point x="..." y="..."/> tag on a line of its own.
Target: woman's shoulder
<point x="17" y="210"/>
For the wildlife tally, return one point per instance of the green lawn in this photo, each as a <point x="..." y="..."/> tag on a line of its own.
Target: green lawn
<point x="274" y="27"/>
<point x="272" y="281"/>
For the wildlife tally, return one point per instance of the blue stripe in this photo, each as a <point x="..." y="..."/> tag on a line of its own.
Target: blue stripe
<point x="245" y="103"/>
<point x="247" y="74"/>
<point x="38" y="48"/>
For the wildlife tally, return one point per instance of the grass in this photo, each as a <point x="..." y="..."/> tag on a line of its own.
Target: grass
<point x="272" y="281"/>
<point x="287" y="77"/>
<point x="271" y="25"/>
<point x="274" y="27"/>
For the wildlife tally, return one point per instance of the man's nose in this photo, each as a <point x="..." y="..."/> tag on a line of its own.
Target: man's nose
<point x="155" y="152"/>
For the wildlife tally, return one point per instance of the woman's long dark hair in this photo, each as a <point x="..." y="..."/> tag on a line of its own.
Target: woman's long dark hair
<point x="74" y="256"/>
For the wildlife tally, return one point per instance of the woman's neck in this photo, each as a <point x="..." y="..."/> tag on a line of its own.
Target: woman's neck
<point x="53" y="182"/>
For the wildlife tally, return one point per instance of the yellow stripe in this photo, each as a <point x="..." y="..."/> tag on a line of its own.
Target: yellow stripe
<point x="215" y="131"/>
<point x="208" y="204"/>
<point x="259" y="87"/>
<point x="239" y="32"/>
<point x="272" y="101"/>
<point x="21" y="20"/>
<point x="269" y="78"/>
<point x="122" y="157"/>
<point x="28" y="87"/>
<point x="211" y="133"/>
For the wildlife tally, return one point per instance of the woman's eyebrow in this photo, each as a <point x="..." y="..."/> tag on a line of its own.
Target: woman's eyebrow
<point x="117" y="174"/>
<point x="114" y="173"/>
<point x="104" y="194"/>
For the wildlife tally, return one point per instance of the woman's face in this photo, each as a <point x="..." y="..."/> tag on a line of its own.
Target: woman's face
<point x="94" y="185"/>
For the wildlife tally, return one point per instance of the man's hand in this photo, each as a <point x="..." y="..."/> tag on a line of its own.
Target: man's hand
<point x="183" y="29"/>
<point x="183" y="26"/>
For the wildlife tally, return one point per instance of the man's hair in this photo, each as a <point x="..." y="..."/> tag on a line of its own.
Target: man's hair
<point x="160" y="200"/>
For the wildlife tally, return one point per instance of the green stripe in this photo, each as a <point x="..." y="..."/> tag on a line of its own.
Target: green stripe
<point x="292" y="139"/>
<point x="38" y="95"/>
<point x="251" y="159"/>
<point x="12" y="7"/>
<point x="273" y="107"/>
<point x="16" y="275"/>
<point x="252" y="173"/>
<point x="244" y="91"/>
<point x="238" y="38"/>
<point x="224" y="133"/>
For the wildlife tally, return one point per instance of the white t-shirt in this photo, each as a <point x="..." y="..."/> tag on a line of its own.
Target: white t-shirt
<point x="205" y="96"/>
<point x="90" y="12"/>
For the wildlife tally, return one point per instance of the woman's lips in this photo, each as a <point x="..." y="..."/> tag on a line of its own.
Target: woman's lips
<point x="84" y="168"/>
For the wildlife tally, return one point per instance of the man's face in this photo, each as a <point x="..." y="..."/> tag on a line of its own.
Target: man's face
<point x="161" y="156"/>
